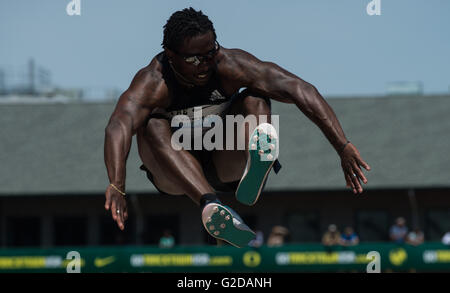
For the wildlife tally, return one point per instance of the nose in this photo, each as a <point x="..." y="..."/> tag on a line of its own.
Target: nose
<point x="204" y="67"/>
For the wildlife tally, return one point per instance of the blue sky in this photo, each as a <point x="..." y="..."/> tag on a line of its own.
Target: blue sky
<point x="333" y="44"/>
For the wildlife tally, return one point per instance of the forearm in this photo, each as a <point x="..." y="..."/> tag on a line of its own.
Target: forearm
<point x="314" y="106"/>
<point x="116" y="149"/>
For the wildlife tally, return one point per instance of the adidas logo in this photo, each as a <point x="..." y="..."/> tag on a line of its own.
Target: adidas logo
<point x="215" y="95"/>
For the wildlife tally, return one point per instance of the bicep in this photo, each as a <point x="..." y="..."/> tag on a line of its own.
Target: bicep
<point x="283" y="86"/>
<point x="130" y="111"/>
<point x="272" y="80"/>
<point x="275" y="82"/>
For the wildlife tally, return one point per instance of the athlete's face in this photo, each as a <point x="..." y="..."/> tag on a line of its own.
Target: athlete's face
<point x="185" y="62"/>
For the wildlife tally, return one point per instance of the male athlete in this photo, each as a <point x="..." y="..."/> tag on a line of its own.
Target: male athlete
<point x="195" y="72"/>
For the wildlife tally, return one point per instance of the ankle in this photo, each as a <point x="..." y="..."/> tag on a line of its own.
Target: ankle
<point x="208" y="198"/>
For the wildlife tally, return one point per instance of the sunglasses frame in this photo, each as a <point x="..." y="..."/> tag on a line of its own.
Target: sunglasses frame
<point x="197" y="59"/>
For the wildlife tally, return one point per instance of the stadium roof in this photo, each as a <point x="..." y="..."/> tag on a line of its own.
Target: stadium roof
<point x="58" y="148"/>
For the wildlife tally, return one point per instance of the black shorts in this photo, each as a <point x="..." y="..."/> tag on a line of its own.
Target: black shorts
<point x="205" y="159"/>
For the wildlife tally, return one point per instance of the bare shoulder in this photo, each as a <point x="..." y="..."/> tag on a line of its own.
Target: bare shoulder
<point x="234" y="61"/>
<point x="148" y="87"/>
<point x="244" y="68"/>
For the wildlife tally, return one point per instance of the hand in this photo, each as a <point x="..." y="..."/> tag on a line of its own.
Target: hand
<point x="351" y="163"/>
<point x="118" y="205"/>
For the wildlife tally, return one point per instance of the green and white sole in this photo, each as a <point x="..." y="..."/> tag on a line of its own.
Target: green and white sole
<point x="263" y="152"/>
<point x="223" y="223"/>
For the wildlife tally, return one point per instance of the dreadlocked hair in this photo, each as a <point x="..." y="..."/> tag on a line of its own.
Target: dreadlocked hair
<point x="185" y="24"/>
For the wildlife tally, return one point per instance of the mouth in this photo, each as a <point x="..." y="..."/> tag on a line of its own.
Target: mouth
<point x="203" y="75"/>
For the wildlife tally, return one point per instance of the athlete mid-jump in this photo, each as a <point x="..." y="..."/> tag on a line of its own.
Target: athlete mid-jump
<point x="194" y="71"/>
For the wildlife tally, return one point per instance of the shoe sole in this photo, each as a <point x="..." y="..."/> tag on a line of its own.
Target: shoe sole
<point x="263" y="151"/>
<point x="218" y="221"/>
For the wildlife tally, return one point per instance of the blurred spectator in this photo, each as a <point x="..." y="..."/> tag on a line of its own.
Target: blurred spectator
<point x="349" y="237"/>
<point x="167" y="240"/>
<point x="398" y="231"/>
<point x="332" y="236"/>
<point x="258" y="241"/>
<point x="277" y="236"/>
<point x="415" y="237"/>
<point x="446" y="238"/>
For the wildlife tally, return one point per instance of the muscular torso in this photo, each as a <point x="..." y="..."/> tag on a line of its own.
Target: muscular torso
<point x="212" y="98"/>
<point x="164" y="91"/>
<point x="151" y="91"/>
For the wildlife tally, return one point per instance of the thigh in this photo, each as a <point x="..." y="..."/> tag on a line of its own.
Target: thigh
<point x="230" y="164"/>
<point x="149" y="157"/>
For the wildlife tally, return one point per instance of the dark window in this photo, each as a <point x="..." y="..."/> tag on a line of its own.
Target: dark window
<point x="23" y="231"/>
<point x="110" y="234"/>
<point x="372" y="225"/>
<point x="70" y="231"/>
<point x="437" y="224"/>
<point x="304" y="226"/>
<point x="155" y="225"/>
<point x="2" y="232"/>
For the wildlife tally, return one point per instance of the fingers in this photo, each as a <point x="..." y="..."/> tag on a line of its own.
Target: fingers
<point x="108" y="200"/>
<point x="114" y="210"/>
<point x="350" y="183"/>
<point x="119" y="217"/>
<point x="347" y="181"/>
<point x="364" y="164"/>
<point x="356" y="183"/>
<point x="352" y="179"/>
<point x="119" y="212"/>
<point x="359" y="173"/>
<point x="121" y="221"/>
<point x="353" y="175"/>
<point x="118" y="207"/>
<point x="351" y="164"/>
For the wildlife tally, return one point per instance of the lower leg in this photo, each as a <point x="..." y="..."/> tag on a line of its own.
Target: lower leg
<point x="183" y="169"/>
<point x="257" y="107"/>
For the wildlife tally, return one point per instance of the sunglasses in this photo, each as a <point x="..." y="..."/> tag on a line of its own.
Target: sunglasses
<point x="197" y="59"/>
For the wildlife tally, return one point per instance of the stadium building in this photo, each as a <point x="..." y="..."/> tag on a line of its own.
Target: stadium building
<point x="53" y="177"/>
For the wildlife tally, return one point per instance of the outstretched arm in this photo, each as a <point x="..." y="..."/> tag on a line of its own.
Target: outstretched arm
<point x="273" y="81"/>
<point x="131" y="111"/>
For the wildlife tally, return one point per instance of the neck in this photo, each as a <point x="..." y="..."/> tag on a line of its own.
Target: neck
<point x="180" y="78"/>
